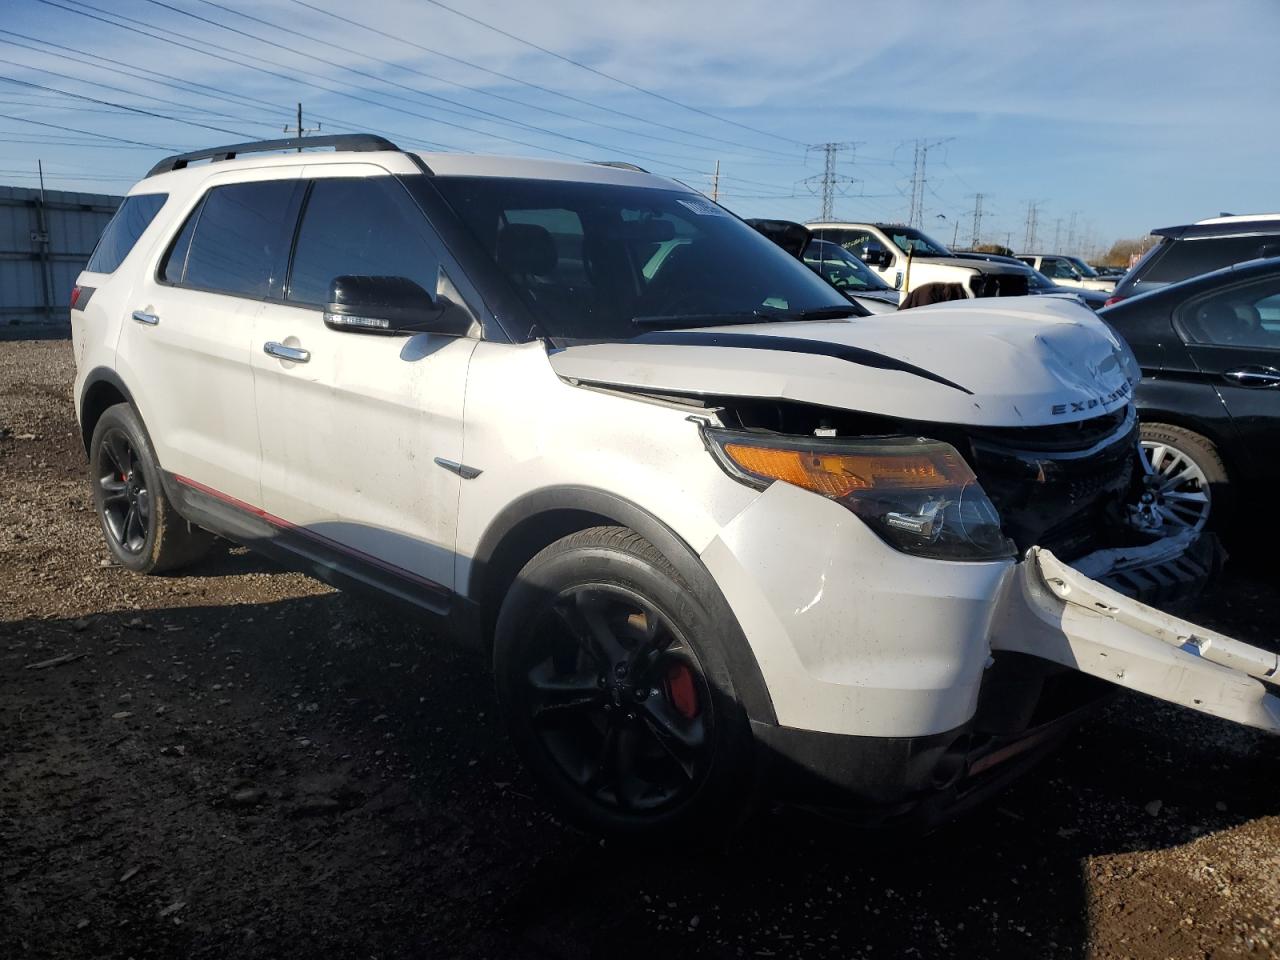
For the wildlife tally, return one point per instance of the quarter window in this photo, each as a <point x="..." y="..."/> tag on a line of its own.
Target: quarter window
<point x="132" y="217"/>
<point x="360" y="227"/>
<point x="240" y="241"/>
<point x="1246" y="316"/>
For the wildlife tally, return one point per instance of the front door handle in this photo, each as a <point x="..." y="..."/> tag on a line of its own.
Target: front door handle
<point x="1254" y="377"/>
<point x="281" y="352"/>
<point x="150" y="319"/>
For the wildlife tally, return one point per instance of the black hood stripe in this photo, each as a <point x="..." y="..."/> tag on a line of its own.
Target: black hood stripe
<point x="865" y="358"/>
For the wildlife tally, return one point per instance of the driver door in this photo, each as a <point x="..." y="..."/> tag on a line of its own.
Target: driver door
<point x="354" y="425"/>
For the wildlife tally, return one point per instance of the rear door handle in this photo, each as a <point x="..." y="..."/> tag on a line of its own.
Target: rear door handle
<point x="150" y="319"/>
<point x="1254" y="377"/>
<point x="281" y="352"/>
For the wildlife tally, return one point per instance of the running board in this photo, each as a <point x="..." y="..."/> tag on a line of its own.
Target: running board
<point x="1056" y="613"/>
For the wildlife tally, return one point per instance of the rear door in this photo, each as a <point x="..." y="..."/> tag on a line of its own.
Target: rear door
<point x="353" y="435"/>
<point x="185" y="349"/>
<point x="1233" y="336"/>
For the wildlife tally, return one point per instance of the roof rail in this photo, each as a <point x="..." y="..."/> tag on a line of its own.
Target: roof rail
<point x="620" y="164"/>
<point x="359" y="142"/>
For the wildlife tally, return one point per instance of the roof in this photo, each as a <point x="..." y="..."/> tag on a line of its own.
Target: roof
<point x="1228" y="226"/>
<point x="362" y="149"/>
<point x="1246" y="270"/>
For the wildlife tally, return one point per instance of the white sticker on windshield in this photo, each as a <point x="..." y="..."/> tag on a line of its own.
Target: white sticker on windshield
<point x="704" y="208"/>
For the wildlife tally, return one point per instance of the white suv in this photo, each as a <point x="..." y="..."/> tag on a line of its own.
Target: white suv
<point x="718" y="540"/>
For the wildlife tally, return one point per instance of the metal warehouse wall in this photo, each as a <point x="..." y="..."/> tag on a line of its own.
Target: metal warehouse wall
<point x="39" y="267"/>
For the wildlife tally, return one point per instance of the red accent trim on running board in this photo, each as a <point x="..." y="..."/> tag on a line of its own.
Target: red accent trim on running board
<point x="319" y="538"/>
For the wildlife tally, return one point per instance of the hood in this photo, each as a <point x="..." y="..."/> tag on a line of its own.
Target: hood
<point x="968" y="263"/>
<point x="1025" y="361"/>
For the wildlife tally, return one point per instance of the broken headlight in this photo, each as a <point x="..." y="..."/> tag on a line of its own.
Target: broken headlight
<point x="918" y="495"/>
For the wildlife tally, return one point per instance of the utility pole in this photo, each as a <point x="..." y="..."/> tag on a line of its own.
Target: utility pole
<point x="828" y="181"/>
<point x="1057" y="235"/>
<point x="1029" y="240"/>
<point x="300" y="131"/>
<point x="715" y="183"/>
<point x="1071" y="234"/>
<point x="42" y="240"/>
<point x="977" y="220"/>
<point x="920" y="179"/>
<point x="955" y="233"/>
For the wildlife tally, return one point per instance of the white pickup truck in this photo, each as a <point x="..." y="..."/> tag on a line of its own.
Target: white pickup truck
<point x="1068" y="271"/>
<point x="906" y="258"/>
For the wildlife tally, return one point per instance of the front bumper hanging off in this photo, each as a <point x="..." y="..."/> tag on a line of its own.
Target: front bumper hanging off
<point x="1057" y="613"/>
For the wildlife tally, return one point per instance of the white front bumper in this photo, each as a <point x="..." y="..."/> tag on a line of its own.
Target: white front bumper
<point x="853" y="637"/>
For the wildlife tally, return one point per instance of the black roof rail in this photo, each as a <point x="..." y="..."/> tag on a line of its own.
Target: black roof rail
<point x="620" y="164"/>
<point x="359" y="142"/>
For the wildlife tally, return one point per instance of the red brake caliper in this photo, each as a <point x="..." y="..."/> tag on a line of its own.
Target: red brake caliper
<point x="682" y="692"/>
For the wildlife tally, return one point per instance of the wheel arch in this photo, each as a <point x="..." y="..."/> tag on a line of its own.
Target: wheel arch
<point x="1222" y="442"/>
<point x="538" y="519"/>
<point x="102" y="388"/>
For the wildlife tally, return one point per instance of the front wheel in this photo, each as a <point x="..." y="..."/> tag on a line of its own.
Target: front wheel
<point x="613" y="683"/>
<point x="1184" y="485"/>
<point x="143" y="531"/>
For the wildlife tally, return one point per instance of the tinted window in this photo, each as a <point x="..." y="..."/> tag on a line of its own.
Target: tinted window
<point x="1189" y="258"/>
<point x="365" y="227"/>
<point x="176" y="261"/>
<point x="1246" y="316"/>
<point x="241" y="239"/>
<point x="589" y="258"/>
<point x="852" y="240"/>
<point x="122" y="232"/>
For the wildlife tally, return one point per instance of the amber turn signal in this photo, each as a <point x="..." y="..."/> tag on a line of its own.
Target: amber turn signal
<point x="836" y="475"/>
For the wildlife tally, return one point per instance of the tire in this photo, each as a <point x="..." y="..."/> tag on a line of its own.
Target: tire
<point x="656" y="746"/>
<point x="1203" y="457"/>
<point x="143" y="531"/>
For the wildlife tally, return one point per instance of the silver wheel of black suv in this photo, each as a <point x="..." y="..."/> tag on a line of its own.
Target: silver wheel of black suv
<point x="143" y="531"/>
<point x="1184" y="482"/>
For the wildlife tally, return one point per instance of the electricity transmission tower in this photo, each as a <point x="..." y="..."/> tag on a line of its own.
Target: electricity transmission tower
<point x="1033" y="213"/>
<point x="977" y="220"/>
<point x="828" y="182"/>
<point x="920" y="178"/>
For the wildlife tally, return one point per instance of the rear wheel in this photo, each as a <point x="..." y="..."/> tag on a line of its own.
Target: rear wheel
<point x="1185" y="485"/>
<point x="613" y="684"/>
<point x="143" y="531"/>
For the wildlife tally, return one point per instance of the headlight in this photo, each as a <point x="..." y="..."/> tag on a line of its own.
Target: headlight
<point x="918" y="495"/>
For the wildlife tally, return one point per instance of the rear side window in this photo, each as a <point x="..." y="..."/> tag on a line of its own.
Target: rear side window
<point x="1182" y="259"/>
<point x="1247" y="316"/>
<point x="360" y="227"/>
<point x="122" y="232"/>
<point x="240" y="239"/>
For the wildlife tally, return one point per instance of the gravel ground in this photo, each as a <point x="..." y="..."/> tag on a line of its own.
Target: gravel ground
<point x="242" y="762"/>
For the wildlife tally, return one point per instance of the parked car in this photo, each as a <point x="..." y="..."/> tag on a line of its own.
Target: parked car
<point x="1209" y="399"/>
<point x="1041" y="286"/>
<point x="849" y="275"/>
<point x="906" y="258"/>
<point x="1201" y="247"/>
<point x="833" y="263"/>
<point x="1068" y="271"/>
<point x="715" y="538"/>
<point x="1110" y="272"/>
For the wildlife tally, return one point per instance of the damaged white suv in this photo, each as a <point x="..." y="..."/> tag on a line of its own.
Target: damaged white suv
<point x="720" y="534"/>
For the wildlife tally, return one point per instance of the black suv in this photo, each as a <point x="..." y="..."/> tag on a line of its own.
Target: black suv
<point x="1202" y="247"/>
<point x="1209" y="399"/>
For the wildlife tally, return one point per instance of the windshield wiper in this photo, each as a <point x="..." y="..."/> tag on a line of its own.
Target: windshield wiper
<point x="755" y="316"/>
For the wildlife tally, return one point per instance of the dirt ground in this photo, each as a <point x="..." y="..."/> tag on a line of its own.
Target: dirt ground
<point x="243" y="763"/>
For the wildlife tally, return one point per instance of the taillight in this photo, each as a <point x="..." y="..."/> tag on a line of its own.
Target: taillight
<point x="1111" y="300"/>
<point x="75" y="296"/>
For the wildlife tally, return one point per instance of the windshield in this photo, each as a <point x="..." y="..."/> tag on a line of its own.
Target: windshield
<point x="596" y="261"/>
<point x="1083" y="268"/>
<point x="911" y="240"/>
<point x="840" y="268"/>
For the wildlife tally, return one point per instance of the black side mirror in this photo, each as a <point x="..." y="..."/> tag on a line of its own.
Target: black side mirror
<point x="874" y="255"/>
<point x="391" y="305"/>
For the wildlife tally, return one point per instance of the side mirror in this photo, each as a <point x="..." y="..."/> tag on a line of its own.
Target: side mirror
<point x="874" y="255"/>
<point x="390" y="305"/>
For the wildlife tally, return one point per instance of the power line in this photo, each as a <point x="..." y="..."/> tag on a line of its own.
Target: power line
<point x="535" y="86"/>
<point x="87" y="133"/>
<point x="607" y="76"/>
<point x="920" y="179"/>
<point x="1029" y="239"/>
<point x="977" y="220"/>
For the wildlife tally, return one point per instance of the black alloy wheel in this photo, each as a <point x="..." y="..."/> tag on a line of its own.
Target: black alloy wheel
<point x="124" y="492"/>
<point x="618" y="699"/>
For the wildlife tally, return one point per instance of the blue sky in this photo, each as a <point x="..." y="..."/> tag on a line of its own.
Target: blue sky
<point x="1126" y="115"/>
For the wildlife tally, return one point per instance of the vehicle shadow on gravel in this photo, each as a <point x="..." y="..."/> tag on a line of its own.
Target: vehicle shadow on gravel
<point x="317" y="774"/>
